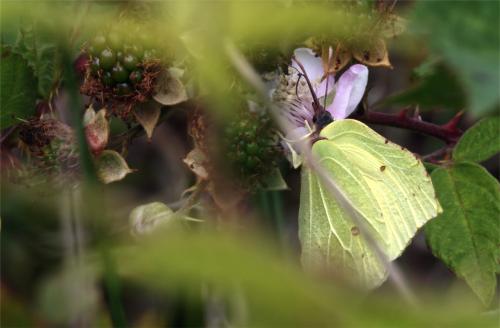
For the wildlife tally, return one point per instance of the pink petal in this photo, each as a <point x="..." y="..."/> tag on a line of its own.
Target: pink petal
<point x="349" y="91"/>
<point x="313" y="66"/>
<point x="311" y="63"/>
<point x="325" y="87"/>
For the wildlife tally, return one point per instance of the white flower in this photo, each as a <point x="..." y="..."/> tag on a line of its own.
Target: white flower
<point x="296" y="100"/>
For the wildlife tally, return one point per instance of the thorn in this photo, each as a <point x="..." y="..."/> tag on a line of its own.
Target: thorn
<point x="403" y="113"/>
<point x="416" y="113"/>
<point x="452" y="125"/>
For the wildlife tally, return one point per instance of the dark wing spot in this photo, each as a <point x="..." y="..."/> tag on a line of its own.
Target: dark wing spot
<point x="386" y="141"/>
<point x="355" y="231"/>
<point x="382" y="168"/>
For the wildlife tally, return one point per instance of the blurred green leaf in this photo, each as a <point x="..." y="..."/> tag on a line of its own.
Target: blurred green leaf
<point x="436" y="86"/>
<point x="387" y="185"/>
<point x="68" y="295"/>
<point x="480" y="142"/>
<point x="18" y="96"/>
<point x="41" y="56"/>
<point x="14" y="312"/>
<point x="272" y="291"/>
<point x="464" y="33"/>
<point x="111" y="166"/>
<point x="467" y="234"/>
<point x="274" y="181"/>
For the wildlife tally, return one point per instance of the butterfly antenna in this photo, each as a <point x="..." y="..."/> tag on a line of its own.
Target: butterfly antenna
<point x="315" y="98"/>
<point x="298" y="80"/>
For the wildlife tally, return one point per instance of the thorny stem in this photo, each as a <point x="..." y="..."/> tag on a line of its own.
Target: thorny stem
<point x="448" y="132"/>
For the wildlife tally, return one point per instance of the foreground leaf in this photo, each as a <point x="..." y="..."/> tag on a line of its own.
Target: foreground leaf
<point x="111" y="166"/>
<point x="466" y="236"/>
<point x="18" y="96"/>
<point x="244" y="267"/>
<point x="480" y="142"/>
<point x="385" y="183"/>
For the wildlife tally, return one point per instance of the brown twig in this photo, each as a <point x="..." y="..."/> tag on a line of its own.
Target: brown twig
<point x="448" y="132"/>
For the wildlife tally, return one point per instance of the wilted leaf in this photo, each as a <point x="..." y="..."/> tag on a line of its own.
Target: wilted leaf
<point x="466" y="236"/>
<point x="170" y="90"/>
<point x="374" y="54"/>
<point x="97" y="130"/>
<point x="341" y="56"/>
<point x="392" y="25"/>
<point x="385" y="183"/>
<point x="89" y="115"/>
<point x="18" y="96"/>
<point x="111" y="166"/>
<point x="147" y="114"/>
<point x="480" y="142"/>
<point x="196" y="161"/>
<point x="146" y="218"/>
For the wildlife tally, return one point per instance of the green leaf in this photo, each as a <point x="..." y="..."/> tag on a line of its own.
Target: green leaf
<point x="463" y="33"/>
<point x="466" y="236"/>
<point x="386" y="184"/>
<point x="111" y="166"/>
<point x="436" y="86"/>
<point x="18" y="96"/>
<point x="480" y="142"/>
<point x="41" y="56"/>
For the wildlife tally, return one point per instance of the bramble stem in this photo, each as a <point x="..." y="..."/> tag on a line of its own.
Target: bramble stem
<point x="449" y="132"/>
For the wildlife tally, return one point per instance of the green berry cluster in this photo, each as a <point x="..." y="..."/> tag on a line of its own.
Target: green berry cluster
<point x="251" y="148"/>
<point x="118" y="62"/>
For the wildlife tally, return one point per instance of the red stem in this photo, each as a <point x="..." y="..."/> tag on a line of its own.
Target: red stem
<point x="448" y="132"/>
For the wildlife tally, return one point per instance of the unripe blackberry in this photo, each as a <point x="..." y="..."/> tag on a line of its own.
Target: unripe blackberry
<point x="121" y="67"/>
<point x="107" y="59"/>
<point x="251" y="148"/>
